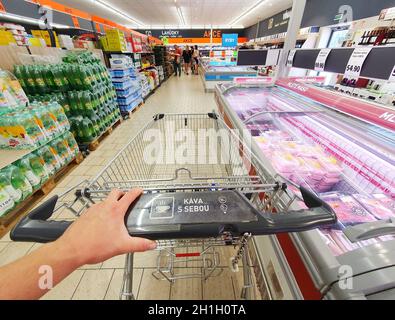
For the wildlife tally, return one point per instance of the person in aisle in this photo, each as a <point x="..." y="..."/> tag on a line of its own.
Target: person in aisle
<point x="195" y="60"/>
<point x="187" y="56"/>
<point x="98" y="235"/>
<point x="177" y="60"/>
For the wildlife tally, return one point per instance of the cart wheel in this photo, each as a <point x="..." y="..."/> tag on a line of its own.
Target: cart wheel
<point x="234" y="266"/>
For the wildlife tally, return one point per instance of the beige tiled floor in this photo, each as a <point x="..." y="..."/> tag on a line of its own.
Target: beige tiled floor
<point x="104" y="280"/>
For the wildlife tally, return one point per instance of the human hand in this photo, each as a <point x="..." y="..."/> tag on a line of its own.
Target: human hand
<point x="100" y="233"/>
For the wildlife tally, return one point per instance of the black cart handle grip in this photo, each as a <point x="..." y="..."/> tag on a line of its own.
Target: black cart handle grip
<point x="35" y="227"/>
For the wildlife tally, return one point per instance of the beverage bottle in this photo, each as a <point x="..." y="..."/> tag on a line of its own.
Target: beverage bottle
<point x="49" y="78"/>
<point x="32" y="127"/>
<point x="41" y="87"/>
<point x="21" y="77"/>
<point x="30" y="83"/>
<point x="96" y="123"/>
<point x="58" y="78"/>
<point x="68" y="71"/>
<point x="66" y="83"/>
<point x="27" y="171"/>
<point x="46" y="120"/>
<point x="59" y="163"/>
<point x="88" y="102"/>
<point x="108" y="116"/>
<point x="76" y="74"/>
<point x="57" y="110"/>
<point x="6" y="200"/>
<point x="50" y="162"/>
<point x="85" y="77"/>
<point x="80" y="101"/>
<point x="19" y="182"/>
<point x="37" y="164"/>
<point x="61" y="150"/>
<point x="88" y="130"/>
<point x="72" y="144"/>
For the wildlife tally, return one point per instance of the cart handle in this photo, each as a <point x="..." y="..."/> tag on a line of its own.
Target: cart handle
<point x="35" y="227"/>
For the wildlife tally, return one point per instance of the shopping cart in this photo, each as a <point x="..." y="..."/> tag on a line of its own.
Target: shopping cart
<point x="203" y="188"/>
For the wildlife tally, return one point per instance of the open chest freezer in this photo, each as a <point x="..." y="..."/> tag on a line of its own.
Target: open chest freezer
<point x="212" y="75"/>
<point x="343" y="149"/>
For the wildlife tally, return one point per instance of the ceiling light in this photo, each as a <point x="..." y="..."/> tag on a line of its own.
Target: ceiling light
<point x="117" y="11"/>
<point x="248" y="11"/>
<point x="181" y="16"/>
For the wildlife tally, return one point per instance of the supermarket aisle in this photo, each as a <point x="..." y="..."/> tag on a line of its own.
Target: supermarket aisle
<point x="103" y="281"/>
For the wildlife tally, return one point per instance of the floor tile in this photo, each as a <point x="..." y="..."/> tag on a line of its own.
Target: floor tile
<point x="113" y="292"/>
<point x="6" y="238"/>
<point x="14" y="251"/>
<point x="93" y="285"/>
<point x="117" y="262"/>
<point x="187" y="289"/>
<point x="153" y="289"/>
<point x="65" y="289"/>
<point x="220" y="287"/>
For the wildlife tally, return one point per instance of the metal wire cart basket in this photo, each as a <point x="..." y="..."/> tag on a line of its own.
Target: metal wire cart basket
<point x="203" y="188"/>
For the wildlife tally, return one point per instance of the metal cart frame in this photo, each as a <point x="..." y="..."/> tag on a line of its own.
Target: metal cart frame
<point x="171" y="155"/>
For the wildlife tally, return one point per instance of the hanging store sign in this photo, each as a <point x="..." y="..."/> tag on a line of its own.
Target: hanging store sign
<point x="321" y="59"/>
<point x="230" y="40"/>
<point x="355" y="63"/>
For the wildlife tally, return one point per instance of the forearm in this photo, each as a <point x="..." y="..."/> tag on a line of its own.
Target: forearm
<point x="29" y="278"/>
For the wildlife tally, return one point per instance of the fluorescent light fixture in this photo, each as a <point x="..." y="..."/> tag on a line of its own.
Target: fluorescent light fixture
<point x="248" y="11"/>
<point x="22" y="19"/>
<point x="110" y="7"/>
<point x="181" y="16"/>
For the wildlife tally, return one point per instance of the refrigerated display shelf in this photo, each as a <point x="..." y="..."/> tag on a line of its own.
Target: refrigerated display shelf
<point x="302" y="121"/>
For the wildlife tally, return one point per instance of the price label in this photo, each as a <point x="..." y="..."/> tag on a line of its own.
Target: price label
<point x="321" y="59"/>
<point x="290" y="59"/>
<point x="355" y="64"/>
<point x="392" y="75"/>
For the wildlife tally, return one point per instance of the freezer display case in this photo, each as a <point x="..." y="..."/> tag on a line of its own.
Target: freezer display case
<point x="213" y="75"/>
<point x="341" y="148"/>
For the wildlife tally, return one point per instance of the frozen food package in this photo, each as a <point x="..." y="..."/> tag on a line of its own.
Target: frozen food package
<point x="375" y="207"/>
<point x="386" y="201"/>
<point x="348" y="210"/>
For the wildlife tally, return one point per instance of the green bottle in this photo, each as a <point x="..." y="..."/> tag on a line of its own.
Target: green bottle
<point x="37" y="164"/>
<point x="21" y="77"/>
<point x="41" y="87"/>
<point x="8" y="195"/>
<point x="30" y="83"/>
<point x="96" y="123"/>
<point x="88" y="130"/>
<point x="61" y="151"/>
<point x="27" y="171"/>
<point x="57" y="110"/>
<point x="19" y="181"/>
<point x="72" y="144"/>
<point x="48" y="77"/>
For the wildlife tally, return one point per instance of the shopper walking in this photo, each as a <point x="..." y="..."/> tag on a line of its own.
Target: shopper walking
<point x="195" y="60"/>
<point x="187" y="56"/>
<point x="177" y="60"/>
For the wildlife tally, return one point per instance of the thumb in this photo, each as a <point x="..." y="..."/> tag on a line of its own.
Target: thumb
<point x="139" y="245"/>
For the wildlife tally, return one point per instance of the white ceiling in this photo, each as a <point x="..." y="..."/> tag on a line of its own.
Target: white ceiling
<point x="197" y="13"/>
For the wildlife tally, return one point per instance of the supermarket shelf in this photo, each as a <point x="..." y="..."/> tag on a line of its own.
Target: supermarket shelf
<point x="378" y="65"/>
<point x="92" y="146"/>
<point x="22" y="209"/>
<point x="128" y="114"/>
<point x="8" y="157"/>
